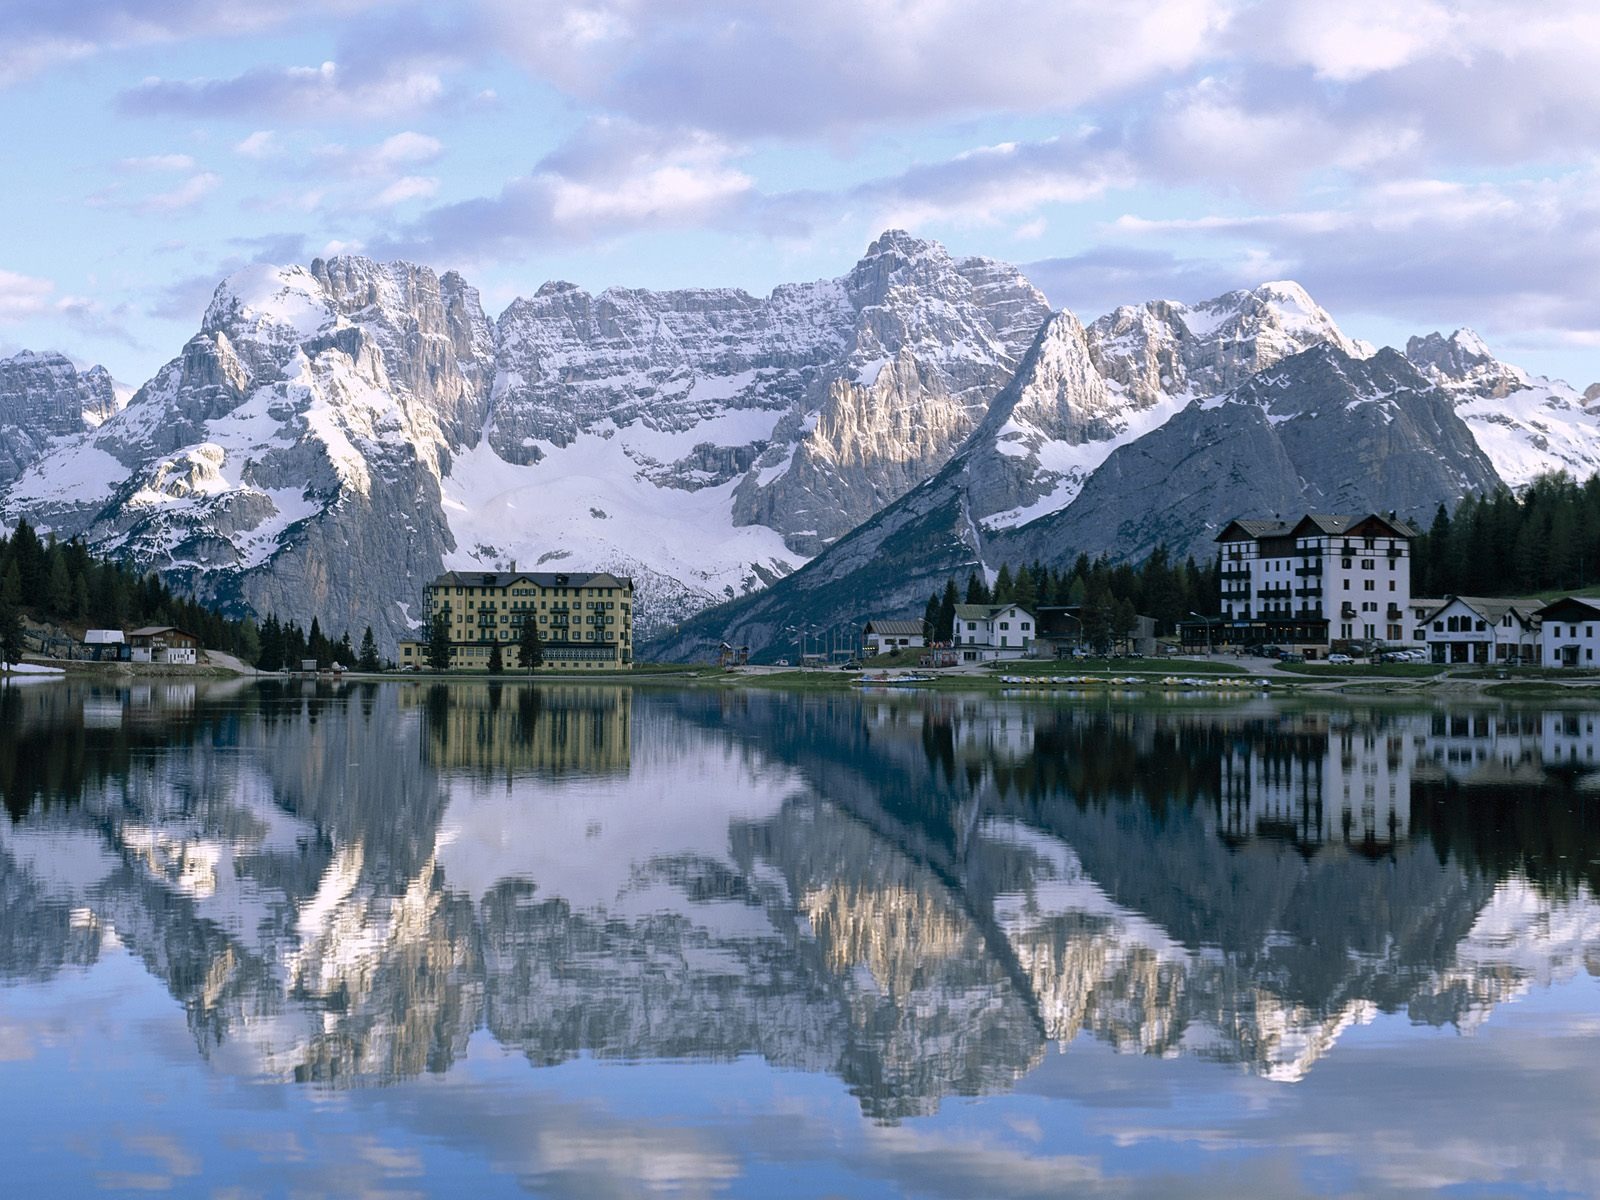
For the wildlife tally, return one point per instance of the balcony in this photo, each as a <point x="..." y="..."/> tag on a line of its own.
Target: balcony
<point x="1309" y="591"/>
<point x="1314" y="569"/>
<point x="1280" y="592"/>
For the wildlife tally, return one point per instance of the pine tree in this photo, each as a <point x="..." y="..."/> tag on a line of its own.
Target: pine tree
<point x="369" y="651"/>
<point x="1004" y="587"/>
<point x="58" y="587"/>
<point x="344" y="653"/>
<point x="977" y="589"/>
<point x="945" y="629"/>
<point x="496" y="663"/>
<point x="10" y="633"/>
<point x="1025" y="589"/>
<point x="317" y="645"/>
<point x="529" y="653"/>
<point x="438" y="643"/>
<point x="11" y="586"/>
<point x="271" y="656"/>
<point x="930" y="616"/>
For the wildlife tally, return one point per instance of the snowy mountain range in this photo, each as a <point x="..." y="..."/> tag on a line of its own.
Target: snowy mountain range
<point x="334" y="435"/>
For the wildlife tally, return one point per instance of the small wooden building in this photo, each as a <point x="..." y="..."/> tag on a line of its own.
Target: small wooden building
<point x="884" y="637"/>
<point x="164" y="644"/>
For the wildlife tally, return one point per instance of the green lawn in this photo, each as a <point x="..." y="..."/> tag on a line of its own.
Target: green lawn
<point x="1323" y="670"/>
<point x="1118" y="666"/>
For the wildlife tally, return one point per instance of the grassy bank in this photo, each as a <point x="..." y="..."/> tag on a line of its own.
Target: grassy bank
<point x="1119" y="666"/>
<point x="1321" y="670"/>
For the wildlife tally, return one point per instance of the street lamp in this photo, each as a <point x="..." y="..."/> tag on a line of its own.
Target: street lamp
<point x="1207" y="620"/>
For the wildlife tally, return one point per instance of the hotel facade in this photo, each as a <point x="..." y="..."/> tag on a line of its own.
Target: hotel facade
<point x="1321" y="582"/>
<point x="585" y="621"/>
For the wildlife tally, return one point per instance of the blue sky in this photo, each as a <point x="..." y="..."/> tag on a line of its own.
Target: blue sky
<point x="1419" y="165"/>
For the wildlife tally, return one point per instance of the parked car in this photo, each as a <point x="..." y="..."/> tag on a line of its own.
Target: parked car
<point x="1290" y="657"/>
<point x="1340" y="658"/>
<point x="782" y="662"/>
<point x="852" y="665"/>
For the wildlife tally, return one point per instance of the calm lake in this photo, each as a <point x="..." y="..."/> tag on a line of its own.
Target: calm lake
<point x="402" y="939"/>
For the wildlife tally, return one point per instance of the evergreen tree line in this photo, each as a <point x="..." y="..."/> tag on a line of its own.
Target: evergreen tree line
<point x="529" y="646"/>
<point x="1110" y="595"/>
<point x="62" y="583"/>
<point x="1502" y="544"/>
<point x="285" y="645"/>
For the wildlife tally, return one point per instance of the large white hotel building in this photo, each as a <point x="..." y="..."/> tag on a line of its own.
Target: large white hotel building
<point x="1320" y="582"/>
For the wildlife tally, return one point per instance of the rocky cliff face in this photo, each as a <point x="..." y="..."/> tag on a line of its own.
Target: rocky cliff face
<point x="44" y="397"/>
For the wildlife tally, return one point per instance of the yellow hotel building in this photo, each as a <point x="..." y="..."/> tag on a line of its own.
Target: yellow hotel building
<point x="585" y="622"/>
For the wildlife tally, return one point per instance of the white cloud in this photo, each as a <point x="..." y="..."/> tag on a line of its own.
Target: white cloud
<point x="407" y="187"/>
<point x="185" y="196"/>
<point x="158" y="162"/>
<point x="615" y="177"/>
<point x="23" y="296"/>
<point x="327" y="92"/>
<point x="261" y="144"/>
<point x="38" y="35"/>
<point x="1510" y="257"/>
<point x="741" y="70"/>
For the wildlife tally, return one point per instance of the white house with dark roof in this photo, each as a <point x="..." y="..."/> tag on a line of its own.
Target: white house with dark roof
<point x="1484" y="629"/>
<point x="1569" y="632"/>
<point x="1319" y="581"/>
<point x="987" y="632"/>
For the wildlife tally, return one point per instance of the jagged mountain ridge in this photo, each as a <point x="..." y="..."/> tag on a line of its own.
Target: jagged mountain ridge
<point x="705" y="441"/>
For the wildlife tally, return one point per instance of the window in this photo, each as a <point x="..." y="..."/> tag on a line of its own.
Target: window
<point x="971" y="625"/>
<point x="1391" y="585"/>
<point x="1368" y="585"/>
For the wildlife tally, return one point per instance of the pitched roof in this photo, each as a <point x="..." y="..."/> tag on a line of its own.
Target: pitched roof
<point x="548" y="579"/>
<point x="896" y="628"/>
<point x="983" y="612"/>
<point x="1557" y="609"/>
<point x="1331" y="524"/>
<point x="1493" y="608"/>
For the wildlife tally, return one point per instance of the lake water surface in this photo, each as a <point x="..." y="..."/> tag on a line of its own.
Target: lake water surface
<point x="402" y="939"/>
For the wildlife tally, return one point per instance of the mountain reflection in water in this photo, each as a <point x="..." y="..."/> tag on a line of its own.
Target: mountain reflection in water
<point x="916" y="894"/>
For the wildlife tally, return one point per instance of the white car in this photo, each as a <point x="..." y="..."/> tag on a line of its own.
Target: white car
<point x="1340" y="658"/>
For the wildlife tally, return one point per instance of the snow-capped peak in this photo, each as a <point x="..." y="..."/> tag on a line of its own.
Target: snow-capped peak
<point x="267" y="296"/>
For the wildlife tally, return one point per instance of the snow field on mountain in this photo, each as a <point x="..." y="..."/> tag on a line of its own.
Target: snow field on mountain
<point x="588" y="506"/>
<point x="1535" y="430"/>
<point x="1073" y="464"/>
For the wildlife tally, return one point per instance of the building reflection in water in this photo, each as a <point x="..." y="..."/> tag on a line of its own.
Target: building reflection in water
<point x="518" y="728"/>
<point x="342" y="883"/>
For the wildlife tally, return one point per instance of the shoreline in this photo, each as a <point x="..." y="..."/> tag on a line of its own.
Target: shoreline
<point x="1223" y="679"/>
